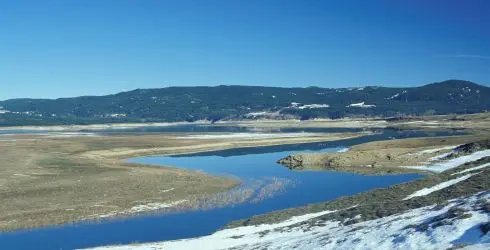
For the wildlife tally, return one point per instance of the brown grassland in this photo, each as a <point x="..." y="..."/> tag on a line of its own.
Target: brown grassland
<point x="46" y="180"/>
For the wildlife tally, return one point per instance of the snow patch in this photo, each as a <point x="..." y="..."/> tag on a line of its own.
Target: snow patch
<point x="360" y="105"/>
<point x="154" y="206"/>
<point x="343" y="150"/>
<point x="439" y="157"/>
<point x="261" y="114"/>
<point x="314" y="106"/>
<point x="167" y="190"/>
<point x="442" y="185"/>
<point x="116" y="115"/>
<point x="395" y="95"/>
<point x="453" y="163"/>
<point x="391" y="232"/>
<point x="144" y="208"/>
<point x="298" y="105"/>
<point x="472" y="169"/>
<point x="257" y="113"/>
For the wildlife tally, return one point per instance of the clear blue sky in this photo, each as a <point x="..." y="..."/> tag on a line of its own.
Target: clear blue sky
<point x="92" y="47"/>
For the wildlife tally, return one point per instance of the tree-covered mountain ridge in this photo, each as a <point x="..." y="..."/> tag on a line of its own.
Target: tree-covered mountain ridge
<point x="172" y="104"/>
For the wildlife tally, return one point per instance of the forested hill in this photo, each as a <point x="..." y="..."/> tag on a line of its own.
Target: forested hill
<point x="248" y="102"/>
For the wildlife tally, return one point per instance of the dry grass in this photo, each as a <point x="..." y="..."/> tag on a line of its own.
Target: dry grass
<point x="479" y="121"/>
<point x="474" y="123"/>
<point x="382" y="157"/>
<point x="123" y="149"/>
<point x="46" y="180"/>
<point x="386" y="157"/>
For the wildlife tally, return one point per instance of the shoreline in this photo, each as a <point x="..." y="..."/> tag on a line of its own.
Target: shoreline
<point x="109" y="173"/>
<point x="221" y="145"/>
<point x="432" y="192"/>
<point x="100" y="160"/>
<point x="380" y="157"/>
<point x="461" y="121"/>
<point x="405" y="194"/>
<point x="100" y="126"/>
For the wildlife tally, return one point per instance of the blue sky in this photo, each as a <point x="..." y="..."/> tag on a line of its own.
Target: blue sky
<point x="64" y="48"/>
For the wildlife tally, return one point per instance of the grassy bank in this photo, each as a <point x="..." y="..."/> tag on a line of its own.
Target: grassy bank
<point x="46" y="180"/>
<point x="387" y="201"/>
<point x="380" y="157"/>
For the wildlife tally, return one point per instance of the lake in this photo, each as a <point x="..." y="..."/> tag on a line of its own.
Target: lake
<point x="254" y="166"/>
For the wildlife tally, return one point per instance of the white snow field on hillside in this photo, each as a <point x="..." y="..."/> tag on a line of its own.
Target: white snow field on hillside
<point x="453" y="163"/>
<point x="472" y="169"/>
<point x="442" y="185"/>
<point x="360" y="105"/>
<point x="298" y="105"/>
<point x="392" y="232"/>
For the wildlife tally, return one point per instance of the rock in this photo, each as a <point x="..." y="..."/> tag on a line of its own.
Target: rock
<point x="292" y="161"/>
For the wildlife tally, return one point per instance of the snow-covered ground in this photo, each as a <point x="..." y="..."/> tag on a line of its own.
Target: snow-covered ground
<point x="430" y="227"/>
<point x="438" y="187"/>
<point x="360" y="105"/>
<point x="450" y="164"/>
<point x="142" y="208"/>
<point x="154" y="206"/>
<point x="392" y="232"/>
<point x="248" y="136"/>
<point x="298" y="105"/>
<point x="472" y="169"/>
<point x="314" y="106"/>
<point x="343" y="150"/>
<point x="261" y="113"/>
<point x="395" y="95"/>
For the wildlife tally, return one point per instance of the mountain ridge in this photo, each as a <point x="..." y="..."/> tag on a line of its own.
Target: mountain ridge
<point x="188" y="103"/>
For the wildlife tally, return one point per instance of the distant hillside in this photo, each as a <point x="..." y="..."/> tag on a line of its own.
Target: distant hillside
<point x="248" y="102"/>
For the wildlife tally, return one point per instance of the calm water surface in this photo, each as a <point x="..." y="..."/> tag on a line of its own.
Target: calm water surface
<point x="251" y="164"/>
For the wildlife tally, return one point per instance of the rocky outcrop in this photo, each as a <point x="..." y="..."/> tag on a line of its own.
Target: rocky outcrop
<point x="292" y="161"/>
<point x="305" y="161"/>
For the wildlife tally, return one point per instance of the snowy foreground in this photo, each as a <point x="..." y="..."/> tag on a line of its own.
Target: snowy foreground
<point x="400" y="231"/>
